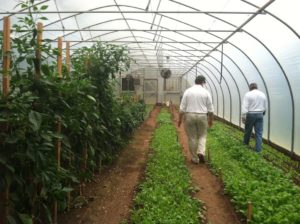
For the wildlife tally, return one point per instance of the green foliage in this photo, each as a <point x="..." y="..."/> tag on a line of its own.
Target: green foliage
<point x="248" y="177"/>
<point x="164" y="197"/>
<point x="92" y="118"/>
<point x="25" y="43"/>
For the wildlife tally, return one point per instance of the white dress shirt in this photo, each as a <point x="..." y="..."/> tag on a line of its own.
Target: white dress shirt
<point x="254" y="101"/>
<point x="196" y="99"/>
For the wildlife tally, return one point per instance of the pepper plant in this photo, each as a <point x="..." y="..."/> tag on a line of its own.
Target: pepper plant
<point x="95" y="124"/>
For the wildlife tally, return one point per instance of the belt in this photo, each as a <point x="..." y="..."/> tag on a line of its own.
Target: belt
<point x="255" y="112"/>
<point x="195" y="113"/>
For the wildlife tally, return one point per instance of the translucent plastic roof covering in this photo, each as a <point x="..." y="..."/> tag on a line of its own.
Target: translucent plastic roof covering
<point x="231" y="42"/>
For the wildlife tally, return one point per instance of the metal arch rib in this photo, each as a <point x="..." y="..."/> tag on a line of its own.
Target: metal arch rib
<point x="22" y="10"/>
<point x="170" y="18"/>
<point x="174" y="40"/>
<point x="129" y="26"/>
<point x="267" y="93"/>
<point x="271" y="14"/>
<point x="237" y="28"/>
<point x="235" y="84"/>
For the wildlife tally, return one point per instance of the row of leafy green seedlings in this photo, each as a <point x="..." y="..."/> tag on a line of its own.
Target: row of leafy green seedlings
<point x="165" y="195"/>
<point x="249" y="177"/>
<point x="277" y="158"/>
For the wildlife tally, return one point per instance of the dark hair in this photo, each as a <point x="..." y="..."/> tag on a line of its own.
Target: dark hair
<point x="200" y="79"/>
<point x="253" y="86"/>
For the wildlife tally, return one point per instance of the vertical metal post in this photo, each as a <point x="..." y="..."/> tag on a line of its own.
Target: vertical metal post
<point x="221" y="70"/>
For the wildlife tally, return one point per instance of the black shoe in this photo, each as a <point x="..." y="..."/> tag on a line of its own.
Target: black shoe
<point x="201" y="158"/>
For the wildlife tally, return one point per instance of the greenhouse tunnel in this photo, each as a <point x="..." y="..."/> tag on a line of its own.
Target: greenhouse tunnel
<point x="231" y="42"/>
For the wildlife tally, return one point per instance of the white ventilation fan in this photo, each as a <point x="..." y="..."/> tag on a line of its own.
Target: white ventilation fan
<point x="165" y="73"/>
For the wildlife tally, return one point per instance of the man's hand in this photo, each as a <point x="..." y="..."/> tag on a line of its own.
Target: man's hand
<point x="243" y="120"/>
<point x="180" y="118"/>
<point x="210" y="118"/>
<point x="210" y="123"/>
<point x="179" y="122"/>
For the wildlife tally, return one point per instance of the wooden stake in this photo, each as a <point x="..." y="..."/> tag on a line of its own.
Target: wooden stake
<point x="38" y="52"/>
<point x="68" y="62"/>
<point x="59" y="57"/>
<point x="221" y="174"/>
<point x="249" y="211"/>
<point x="58" y="143"/>
<point x="58" y="124"/>
<point x="6" y="55"/>
<point x="54" y="216"/>
<point x="208" y="155"/>
<point x="4" y="205"/>
<point x="85" y="157"/>
<point x="58" y="159"/>
<point x="4" y="196"/>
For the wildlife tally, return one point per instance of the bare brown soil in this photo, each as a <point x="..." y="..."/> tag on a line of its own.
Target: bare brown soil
<point x="219" y="209"/>
<point x="112" y="191"/>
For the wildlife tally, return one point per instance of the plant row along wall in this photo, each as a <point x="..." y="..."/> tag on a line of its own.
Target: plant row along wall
<point x="165" y="195"/>
<point x="277" y="158"/>
<point x="248" y="177"/>
<point x="75" y="112"/>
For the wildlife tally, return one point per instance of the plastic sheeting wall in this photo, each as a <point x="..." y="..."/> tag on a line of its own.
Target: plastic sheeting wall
<point x="269" y="55"/>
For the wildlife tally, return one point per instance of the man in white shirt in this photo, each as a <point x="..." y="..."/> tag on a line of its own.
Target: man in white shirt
<point x="253" y="109"/>
<point x="197" y="109"/>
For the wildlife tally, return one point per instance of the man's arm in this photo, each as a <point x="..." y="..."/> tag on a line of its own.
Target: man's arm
<point x="210" y="118"/>
<point x="180" y="118"/>
<point x="182" y="109"/>
<point x="245" y="106"/>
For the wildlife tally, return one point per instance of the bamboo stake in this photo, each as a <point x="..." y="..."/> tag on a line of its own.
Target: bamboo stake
<point x="58" y="159"/>
<point x="59" y="57"/>
<point x="38" y="52"/>
<point x="249" y="211"/>
<point x="221" y="174"/>
<point x="68" y="62"/>
<point x="58" y="143"/>
<point x="85" y="157"/>
<point x="208" y="155"/>
<point x="4" y="196"/>
<point x="83" y="167"/>
<point x="6" y="55"/>
<point x="68" y="65"/>
<point x="58" y="125"/>
<point x="4" y="205"/>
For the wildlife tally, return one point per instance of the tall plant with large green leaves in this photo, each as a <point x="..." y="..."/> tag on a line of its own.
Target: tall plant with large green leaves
<point x="92" y="120"/>
<point x="25" y="42"/>
<point x="100" y="63"/>
<point x="27" y="136"/>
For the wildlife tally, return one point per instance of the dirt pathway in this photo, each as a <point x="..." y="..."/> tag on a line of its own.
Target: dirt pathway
<point x="219" y="208"/>
<point x="112" y="191"/>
